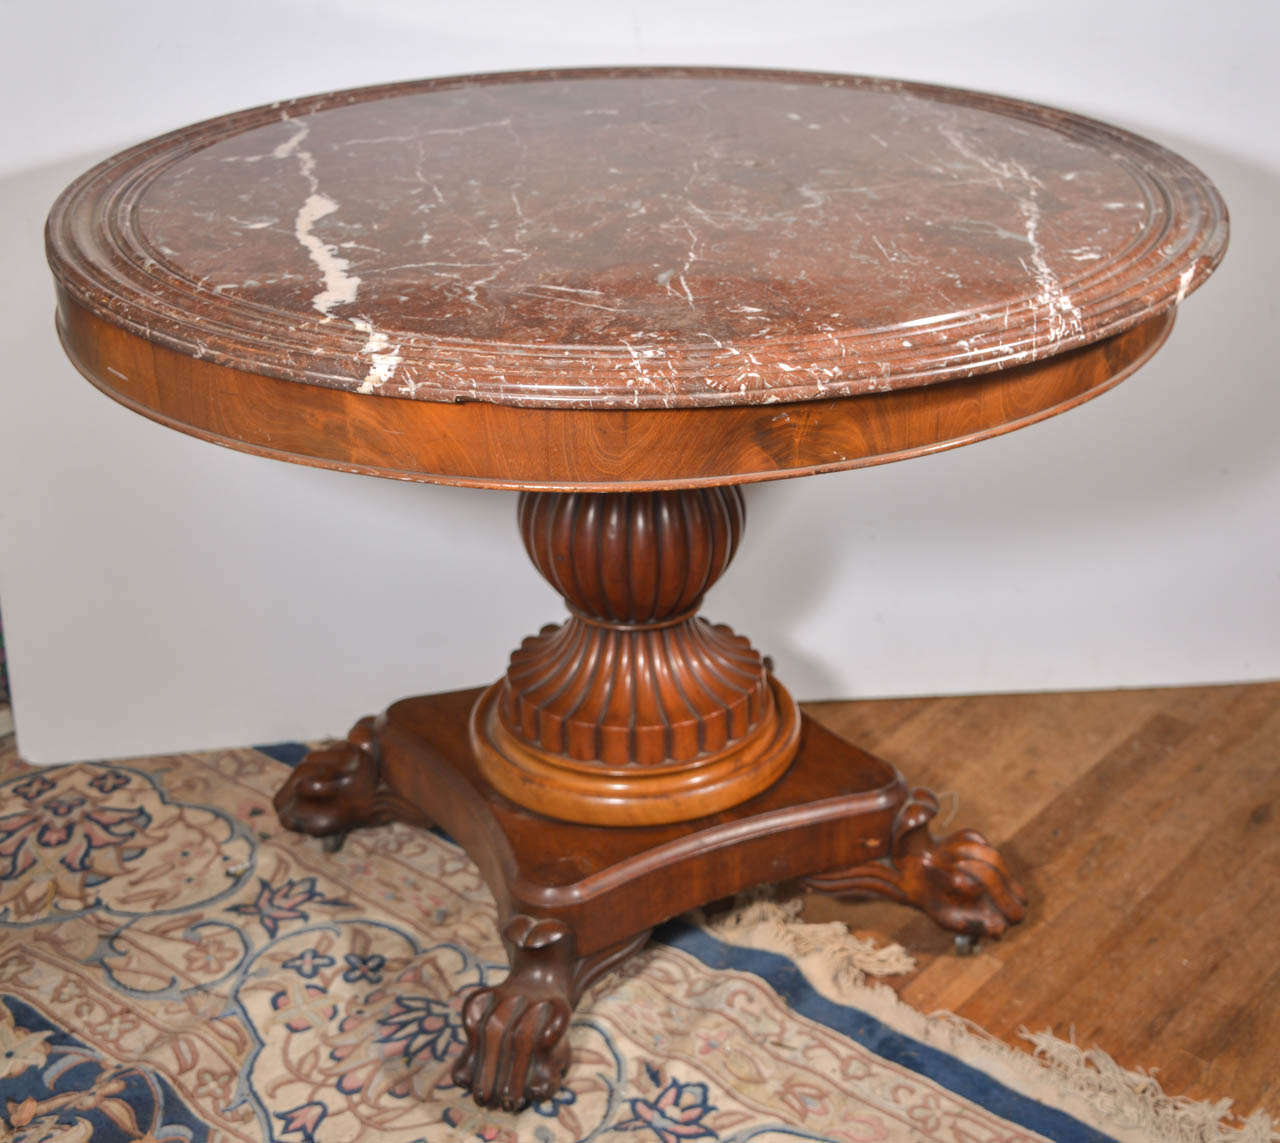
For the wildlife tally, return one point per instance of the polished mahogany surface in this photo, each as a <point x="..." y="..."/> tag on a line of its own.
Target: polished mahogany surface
<point x="641" y="238"/>
<point x="509" y="446"/>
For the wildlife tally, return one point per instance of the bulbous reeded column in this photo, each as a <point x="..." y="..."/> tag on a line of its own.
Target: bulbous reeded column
<point x="635" y="710"/>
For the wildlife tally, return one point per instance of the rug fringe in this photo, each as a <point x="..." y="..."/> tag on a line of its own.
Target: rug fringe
<point x="1129" y="1105"/>
<point x="1134" y="1096"/>
<point x="762" y="920"/>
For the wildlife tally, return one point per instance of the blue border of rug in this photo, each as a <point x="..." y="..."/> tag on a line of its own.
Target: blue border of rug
<point x="786" y="979"/>
<point x="76" y="1069"/>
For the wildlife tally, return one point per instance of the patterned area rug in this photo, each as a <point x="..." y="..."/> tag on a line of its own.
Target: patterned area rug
<point x="175" y="967"/>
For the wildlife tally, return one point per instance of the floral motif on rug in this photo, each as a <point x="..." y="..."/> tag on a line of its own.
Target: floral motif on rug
<point x="174" y="968"/>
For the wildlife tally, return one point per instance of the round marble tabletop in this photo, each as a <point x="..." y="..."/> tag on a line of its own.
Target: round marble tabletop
<point x="635" y="239"/>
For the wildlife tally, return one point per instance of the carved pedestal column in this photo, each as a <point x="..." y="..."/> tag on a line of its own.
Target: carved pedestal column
<point x="635" y="711"/>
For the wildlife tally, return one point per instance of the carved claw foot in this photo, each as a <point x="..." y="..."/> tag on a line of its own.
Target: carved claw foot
<point x="961" y="881"/>
<point x="517" y="1050"/>
<point x="335" y="789"/>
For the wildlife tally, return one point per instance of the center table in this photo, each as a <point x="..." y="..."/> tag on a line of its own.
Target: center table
<point x="626" y="293"/>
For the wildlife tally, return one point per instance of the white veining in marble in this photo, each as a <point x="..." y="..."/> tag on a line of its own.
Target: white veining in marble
<point x="340" y="287"/>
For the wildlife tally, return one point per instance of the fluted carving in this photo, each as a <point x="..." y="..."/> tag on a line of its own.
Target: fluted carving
<point x="626" y="698"/>
<point x="635" y="685"/>
<point x="633" y="678"/>
<point x="632" y="557"/>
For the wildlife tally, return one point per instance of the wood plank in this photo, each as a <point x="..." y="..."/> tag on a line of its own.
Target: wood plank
<point x="1144" y="823"/>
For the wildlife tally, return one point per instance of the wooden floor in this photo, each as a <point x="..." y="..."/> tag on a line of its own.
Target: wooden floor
<point x="1145" y="827"/>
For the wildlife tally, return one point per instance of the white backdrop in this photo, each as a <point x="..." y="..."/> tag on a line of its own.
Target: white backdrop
<point x="160" y="593"/>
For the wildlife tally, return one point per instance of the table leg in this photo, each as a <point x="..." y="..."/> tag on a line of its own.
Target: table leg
<point x="960" y="881"/>
<point x="516" y="1049"/>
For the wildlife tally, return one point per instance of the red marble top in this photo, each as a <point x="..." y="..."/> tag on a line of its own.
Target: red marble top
<point x="648" y="238"/>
